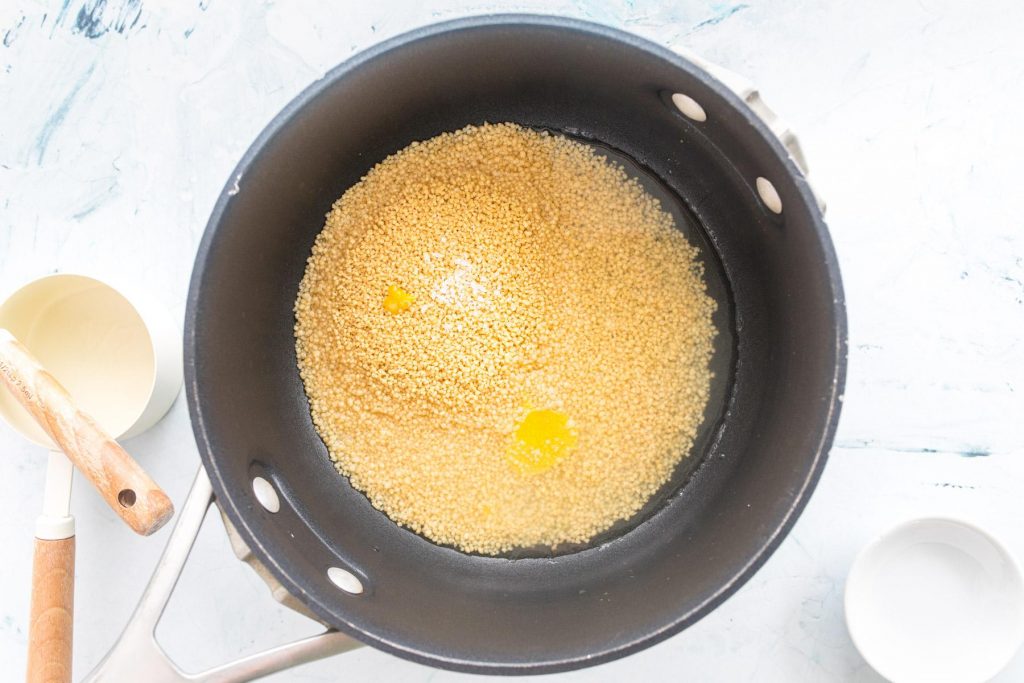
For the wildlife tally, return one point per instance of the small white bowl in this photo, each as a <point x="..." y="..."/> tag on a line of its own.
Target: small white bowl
<point x="936" y="600"/>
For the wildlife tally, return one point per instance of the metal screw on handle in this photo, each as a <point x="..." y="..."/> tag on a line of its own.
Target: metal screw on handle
<point x="136" y="656"/>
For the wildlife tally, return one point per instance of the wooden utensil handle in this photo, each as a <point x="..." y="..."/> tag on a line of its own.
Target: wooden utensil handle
<point x="128" y="490"/>
<point x="51" y="617"/>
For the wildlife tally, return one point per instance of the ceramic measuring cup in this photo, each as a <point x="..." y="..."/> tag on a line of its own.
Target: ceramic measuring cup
<point x="117" y="353"/>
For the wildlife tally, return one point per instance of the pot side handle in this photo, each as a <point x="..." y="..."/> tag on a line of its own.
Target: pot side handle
<point x="136" y="656"/>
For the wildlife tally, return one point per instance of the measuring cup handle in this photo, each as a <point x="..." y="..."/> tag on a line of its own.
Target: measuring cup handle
<point x="124" y="485"/>
<point x="52" y="611"/>
<point x="53" y="579"/>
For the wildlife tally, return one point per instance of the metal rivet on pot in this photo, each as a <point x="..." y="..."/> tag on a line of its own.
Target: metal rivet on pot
<point x="689" y="107"/>
<point x="266" y="494"/>
<point x="769" y="195"/>
<point x="345" y="580"/>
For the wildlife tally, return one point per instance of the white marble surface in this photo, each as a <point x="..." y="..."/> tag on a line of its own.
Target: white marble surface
<point x="119" y="125"/>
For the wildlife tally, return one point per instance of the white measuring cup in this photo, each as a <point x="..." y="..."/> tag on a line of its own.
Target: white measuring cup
<point x="120" y="358"/>
<point x="118" y="354"/>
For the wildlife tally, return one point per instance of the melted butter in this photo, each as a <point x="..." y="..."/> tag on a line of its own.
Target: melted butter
<point x="397" y="300"/>
<point x="540" y="440"/>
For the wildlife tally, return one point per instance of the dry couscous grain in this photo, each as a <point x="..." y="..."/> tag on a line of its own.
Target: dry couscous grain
<point x="491" y="282"/>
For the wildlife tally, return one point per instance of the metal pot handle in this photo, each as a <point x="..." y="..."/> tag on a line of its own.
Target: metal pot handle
<point x="136" y="656"/>
<point x="745" y="89"/>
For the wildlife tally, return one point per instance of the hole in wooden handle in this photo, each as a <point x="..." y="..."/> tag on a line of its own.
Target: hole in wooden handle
<point x="126" y="498"/>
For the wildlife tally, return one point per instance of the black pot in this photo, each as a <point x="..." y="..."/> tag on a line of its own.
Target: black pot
<point x="780" y="357"/>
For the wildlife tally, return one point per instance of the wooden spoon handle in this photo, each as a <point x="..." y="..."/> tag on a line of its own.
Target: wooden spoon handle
<point x="50" y="621"/>
<point x="125" y="486"/>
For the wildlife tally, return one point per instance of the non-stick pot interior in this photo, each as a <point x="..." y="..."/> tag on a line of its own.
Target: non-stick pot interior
<point x="435" y="604"/>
